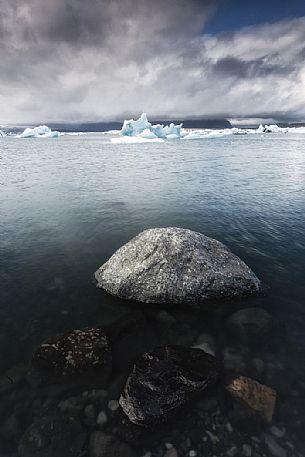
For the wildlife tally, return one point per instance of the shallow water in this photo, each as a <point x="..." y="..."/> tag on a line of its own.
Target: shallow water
<point x="66" y="204"/>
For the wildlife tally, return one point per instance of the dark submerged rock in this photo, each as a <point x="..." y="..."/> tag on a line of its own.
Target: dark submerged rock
<point x="250" y="324"/>
<point x="176" y="266"/>
<point x="104" y="445"/>
<point x="164" y="380"/>
<point x="234" y="361"/>
<point x="12" y="377"/>
<point x="130" y="337"/>
<point x="53" y="436"/>
<point x="77" y="355"/>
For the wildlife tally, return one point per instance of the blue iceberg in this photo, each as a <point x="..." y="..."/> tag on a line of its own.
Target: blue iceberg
<point x="142" y="128"/>
<point x="39" y="132"/>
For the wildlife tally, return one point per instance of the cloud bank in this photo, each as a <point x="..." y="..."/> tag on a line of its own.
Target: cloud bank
<point x="75" y="60"/>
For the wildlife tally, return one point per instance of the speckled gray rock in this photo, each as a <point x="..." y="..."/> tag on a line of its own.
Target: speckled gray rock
<point x="175" y="265"/>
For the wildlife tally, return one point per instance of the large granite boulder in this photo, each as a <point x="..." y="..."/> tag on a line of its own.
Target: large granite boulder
<point x="164" y="380"/>
<point x="175" y="265"/>
<point x="79" y="356"/>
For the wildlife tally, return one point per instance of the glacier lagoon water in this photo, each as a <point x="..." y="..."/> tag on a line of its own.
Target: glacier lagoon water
<point x="66" y="204"/>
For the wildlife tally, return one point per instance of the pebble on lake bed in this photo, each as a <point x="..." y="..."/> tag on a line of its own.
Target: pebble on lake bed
<point x="113" y="405"/>
<point x="172" y="452"/>
<point x="102" y="419"/>
<point x="104" y="445"/>
<point x="275" y="449"/>
<point x="90" y="411"/>
<point x="247" y="450"/>
<point x="206" y="343"/>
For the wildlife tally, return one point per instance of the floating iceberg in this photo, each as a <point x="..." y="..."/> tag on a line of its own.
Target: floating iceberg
<point x="207" y="133"/>
<point x="144" y="129"/>
<point x="39" y="132"/>
<point x="147" y="135"/>
<point x="296" y="129"/>
<point x="272" y="128"/>
<point x="141" y="131"/>
<point x="2" y="133"/>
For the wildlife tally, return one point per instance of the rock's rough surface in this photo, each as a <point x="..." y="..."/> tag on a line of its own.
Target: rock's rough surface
<point x="175" y="265"/>
<point x="164" y="380"/>
<point x="71" y="355"/>
<point x="257" y="398"/>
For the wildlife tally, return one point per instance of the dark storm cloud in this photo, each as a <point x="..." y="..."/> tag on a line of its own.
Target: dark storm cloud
<point x="238" y="68"/>
<point x="96" y="59"/>
<point x="79" y="22"/>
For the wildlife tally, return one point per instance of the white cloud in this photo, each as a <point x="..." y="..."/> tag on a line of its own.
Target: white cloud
<point x="68" y="63"/>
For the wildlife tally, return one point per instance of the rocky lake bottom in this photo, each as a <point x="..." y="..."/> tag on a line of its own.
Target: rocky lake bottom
<point x="66" y="205"/>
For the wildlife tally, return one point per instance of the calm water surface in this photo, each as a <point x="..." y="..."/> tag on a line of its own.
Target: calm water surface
<point x="66" y="204"/>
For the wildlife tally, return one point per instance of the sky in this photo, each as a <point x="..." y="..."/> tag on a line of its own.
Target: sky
<point x="94" y="60"/>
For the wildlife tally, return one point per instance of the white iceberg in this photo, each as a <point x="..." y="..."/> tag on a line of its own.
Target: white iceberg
<point x="147" y="134"/>
<point x="2" y="133"/>
<point x="172" y="136"/>
<point x="143" y="131"/>
<point x="215" y="133"/>
<point x="135" y="127"/>
<point x="39" y="132"/>
<point x="272" y="128"/>
<point x="193" y="136"/>
<point x="142" y="128"/>
<point x="296" y="129"/>
<point x="170" y="130"/>
<point x="207" y="133"/>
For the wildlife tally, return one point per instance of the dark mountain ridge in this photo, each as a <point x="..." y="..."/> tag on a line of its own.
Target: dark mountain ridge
<point x="116" y="125"/>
